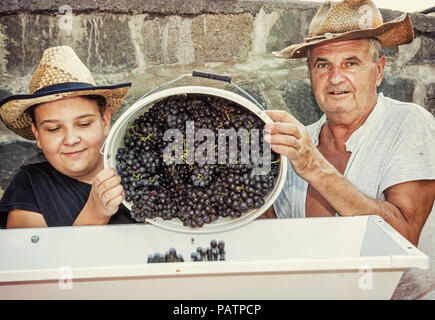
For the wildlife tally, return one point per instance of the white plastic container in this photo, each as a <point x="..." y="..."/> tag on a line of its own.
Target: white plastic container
<point x="115" y="141"/>
<point x="318" y="258"/>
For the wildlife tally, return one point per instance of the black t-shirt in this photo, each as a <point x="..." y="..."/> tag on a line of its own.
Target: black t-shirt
<point x="41" y="188"/>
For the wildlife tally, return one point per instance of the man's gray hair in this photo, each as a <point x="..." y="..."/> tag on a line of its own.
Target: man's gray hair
<point x="375" y="48"/>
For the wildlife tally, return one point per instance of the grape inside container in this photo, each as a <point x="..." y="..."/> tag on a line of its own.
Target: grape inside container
<point x="116" y="136"/>
<point x="358" y="257"/>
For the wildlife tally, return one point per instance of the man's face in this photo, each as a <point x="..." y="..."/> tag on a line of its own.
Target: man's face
<point x="71" y="132"/>
<point x="344" y="79"/>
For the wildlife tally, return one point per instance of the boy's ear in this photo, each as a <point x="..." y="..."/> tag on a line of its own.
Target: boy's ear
<point x="35" y="133"/>
<point x="106" y="120"/>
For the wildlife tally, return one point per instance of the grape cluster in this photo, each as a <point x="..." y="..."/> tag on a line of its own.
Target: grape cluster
<point x="215" y="252"/>
<point x="170" y="256"/>
<point x="195" y="193"/>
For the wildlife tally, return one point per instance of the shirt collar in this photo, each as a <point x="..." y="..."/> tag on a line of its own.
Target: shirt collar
<point x="359" y="134"/>
<point x="372" y="121"/>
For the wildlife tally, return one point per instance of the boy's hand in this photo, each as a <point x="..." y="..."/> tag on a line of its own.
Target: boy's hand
<point x="106" y="193"/>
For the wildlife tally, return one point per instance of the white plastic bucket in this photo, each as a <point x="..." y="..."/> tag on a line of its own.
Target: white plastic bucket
<point x="115" y="140"/>
<point x="360" y="257"/>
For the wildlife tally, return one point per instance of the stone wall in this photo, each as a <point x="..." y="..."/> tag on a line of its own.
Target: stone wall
<point x="152" y="42"/>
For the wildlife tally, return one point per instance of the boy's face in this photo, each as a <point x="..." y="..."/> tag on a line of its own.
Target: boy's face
<point x="71" y="132"/>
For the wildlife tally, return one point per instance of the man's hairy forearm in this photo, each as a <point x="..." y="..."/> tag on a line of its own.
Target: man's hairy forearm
<point x="347" y="200"/>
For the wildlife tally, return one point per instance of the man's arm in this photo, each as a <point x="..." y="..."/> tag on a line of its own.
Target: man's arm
<point x="406" y="206"/>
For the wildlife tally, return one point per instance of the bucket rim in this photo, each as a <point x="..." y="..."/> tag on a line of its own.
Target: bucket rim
<point x="229" y="223"/>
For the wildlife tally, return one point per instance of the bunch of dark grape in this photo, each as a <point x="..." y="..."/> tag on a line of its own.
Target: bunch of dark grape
<point x="215" y="252"/>
<point x="175" y="186"/>
<point x="170" y="256"/>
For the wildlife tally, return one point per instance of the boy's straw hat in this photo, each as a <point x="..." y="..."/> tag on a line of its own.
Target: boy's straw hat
<point x="60" y="74"/>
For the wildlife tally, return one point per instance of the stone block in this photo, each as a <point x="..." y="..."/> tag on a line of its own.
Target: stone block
<point x="300" y="101"/>
<point x="9" y="6"/>
<point x="7" y="135"/>
<point x="389" y="15"/>
<point x="429" y="101"/>
<point x="423" y="28"/>
<point x="423" y="23"/>
<point x="167" y="7"/>
<point x="290" y="28"/>
<point x="167" y="40"/>
<point x="103" y="42"/>
<point x="426" y="53"/>
<point x="160" y="7"/>
<point x="151" y="44"/>
<point x="222" y="37"/>
<point x="389" y="52"/>
<point x="254" y="91"/>
<point x="4" y="93"/>
<point x="24" y="44"/>
<point x="397" y="88"/>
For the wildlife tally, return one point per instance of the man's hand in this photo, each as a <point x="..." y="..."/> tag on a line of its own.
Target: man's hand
<point x="104" y="199"/>
<point x="289" y="137"/>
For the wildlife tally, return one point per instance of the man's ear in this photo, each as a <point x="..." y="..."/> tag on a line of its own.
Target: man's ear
<point x="380" y="66"/>
<point x="106" y="121"/>
<point x="35" y="133"/>
<point x="309" y="71"/>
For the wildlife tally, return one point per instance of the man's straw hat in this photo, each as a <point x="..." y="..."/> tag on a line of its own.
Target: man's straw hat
<point x="347" y="20"/>
<point x="60" y="74"/>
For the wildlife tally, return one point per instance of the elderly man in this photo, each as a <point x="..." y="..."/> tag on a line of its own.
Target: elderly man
<point x="368" y="154"/>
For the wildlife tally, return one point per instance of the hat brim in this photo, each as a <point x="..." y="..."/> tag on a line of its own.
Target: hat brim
<point x="389" y="34"/>
<point x="12" y="108"/>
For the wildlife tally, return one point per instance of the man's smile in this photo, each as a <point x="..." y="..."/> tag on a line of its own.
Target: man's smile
<point x="338" y="92"/>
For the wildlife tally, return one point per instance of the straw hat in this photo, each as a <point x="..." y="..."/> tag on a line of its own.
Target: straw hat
<point x="60" y="74"/>
<point x="347" y="20"/>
